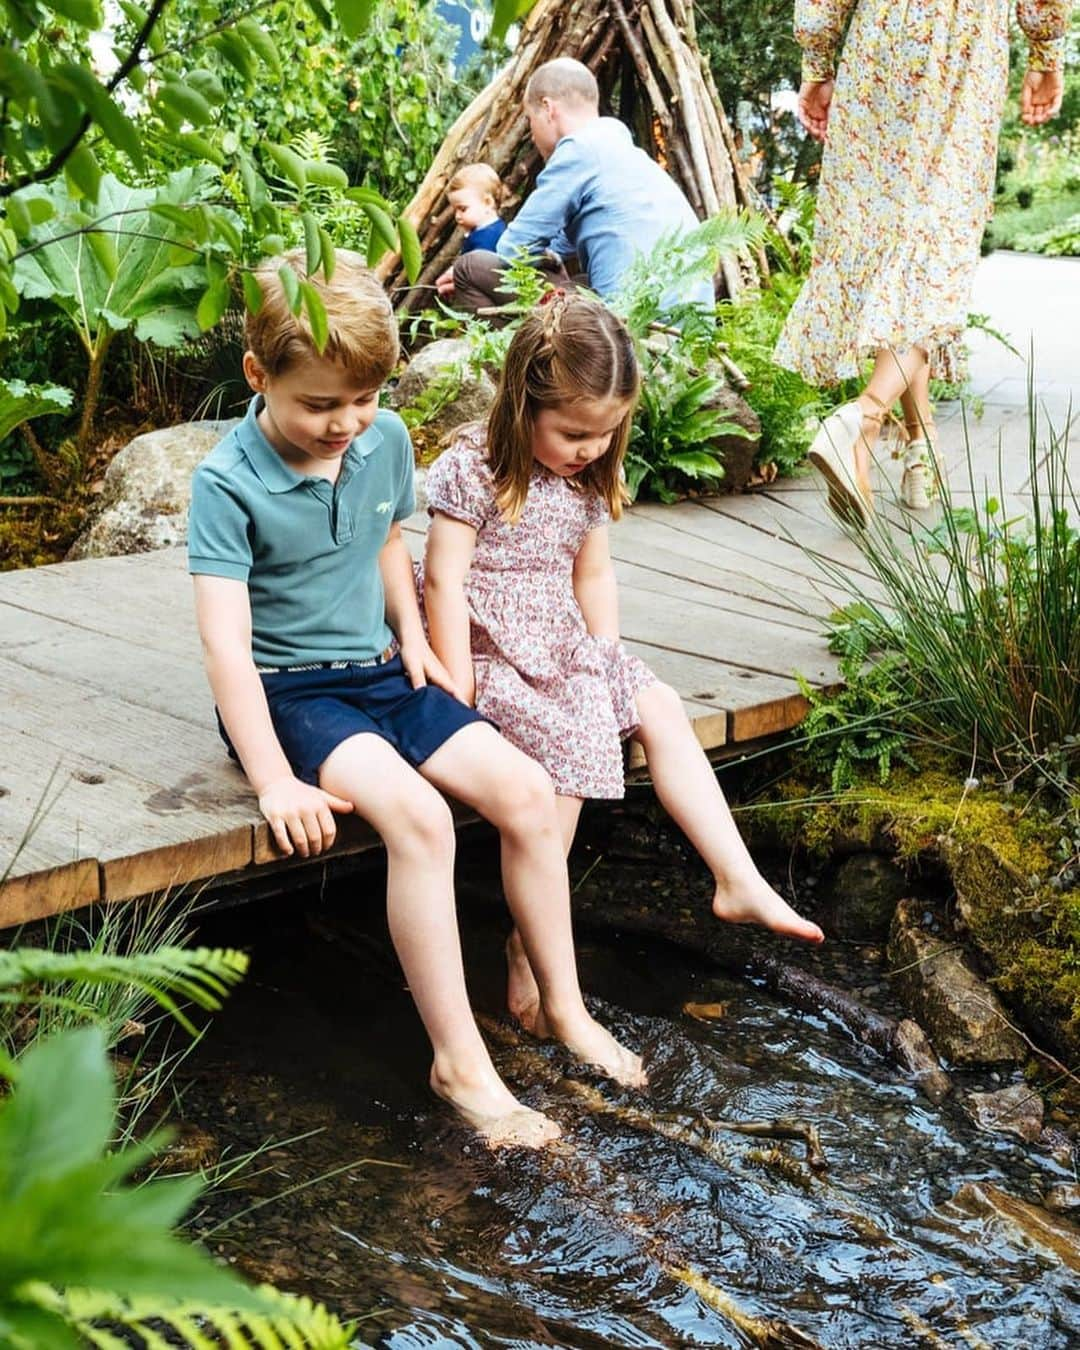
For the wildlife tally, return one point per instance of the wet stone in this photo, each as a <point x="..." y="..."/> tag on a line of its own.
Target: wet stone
<point x="961" y="1013"/>
<point x="1063" y="1199"/>
<point x="859" y="901"/>
<point x="1013" y="1110"/>
<point x="1026" y="1225"/>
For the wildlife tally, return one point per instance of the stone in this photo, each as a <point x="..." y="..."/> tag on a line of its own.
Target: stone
<point x="1063" y="1199"/>
<point x="961" y="1013"/>
<point x="734" y="451"/>
<point x="1013" y="1110"/>
<point x="467" y="397"/>
<point x="1017" y="1221"/>
<point x="859" y="901"/>
<point x="144" y="501"/>
<point x="912" y="1049"/>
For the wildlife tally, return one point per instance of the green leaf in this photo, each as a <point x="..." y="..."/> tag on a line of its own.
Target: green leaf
<point x="86" y="13"/>
<point x="83" y="172"/>
<point x="375" y="248"/>
<point x="364" y="196"/>
<point x="328" y="253"/>
<point x="507" y="12"/>
<point x="214" y="303"/>
<point x="186" y="102"/>
<point x="411" y="255"/>
<point x="261" y="43"/>
<point x="324" y="174"/>
<point x="24" y="83"/>
<point x="116" y="125"/>
<point x="253" y="296"/>
<point x="19" y="402"/>
<point x="198" y="147"/>
<point x="208" y="84"/>
<point x="224" y="227"/>
<point x="104" y="250"/>
<point x="381" y="225"/>
<point x="254" y="187"/>
<point x="316" y="312"/>
<point x="18" y="216"/>
<point x="695" y="464"/>
<point x="312" y="242"/>
<point x="354" y="16"/>
<point x="238" y="54"/>
<point x="290" y="284"/>
<point x="289" y="162"/>
<point x="322" y="14"/>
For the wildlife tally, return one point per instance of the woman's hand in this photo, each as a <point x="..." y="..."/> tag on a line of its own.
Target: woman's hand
<point x="301" y="816"/>
<point x="1040" y="96"/>
<point x="815" y="97"/>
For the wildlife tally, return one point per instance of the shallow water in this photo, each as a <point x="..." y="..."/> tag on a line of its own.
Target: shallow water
<point x="619" y="1237"/>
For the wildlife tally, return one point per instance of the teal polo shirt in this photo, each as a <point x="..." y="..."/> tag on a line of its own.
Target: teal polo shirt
<point x="307" y="549"/>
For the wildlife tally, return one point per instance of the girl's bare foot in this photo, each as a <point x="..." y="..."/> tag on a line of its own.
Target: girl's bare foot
<point x="757" y="902"/>
<point x="485" y="1102"/>
<point x="522" y="991"/>
<point x="584" y="1037"/>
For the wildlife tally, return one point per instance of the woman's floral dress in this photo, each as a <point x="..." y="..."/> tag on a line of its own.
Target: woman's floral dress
<point x="555" y="691"/>
<point x="908" y="173"/>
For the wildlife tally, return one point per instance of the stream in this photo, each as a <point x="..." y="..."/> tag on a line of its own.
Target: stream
<point x="619" y="1236"/>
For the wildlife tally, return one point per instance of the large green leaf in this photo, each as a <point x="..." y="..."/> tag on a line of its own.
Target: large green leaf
<point x="148" y="288"/>
<point x="19" y="402"/>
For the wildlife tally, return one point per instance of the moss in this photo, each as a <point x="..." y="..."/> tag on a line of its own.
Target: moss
<point x="999" y="853"/>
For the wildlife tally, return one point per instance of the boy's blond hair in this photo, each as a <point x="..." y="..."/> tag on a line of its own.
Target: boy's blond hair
<point x="363" y="332"/>
<point x="483" y="178"/>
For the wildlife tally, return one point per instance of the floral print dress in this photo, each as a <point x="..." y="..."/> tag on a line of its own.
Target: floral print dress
<point x="554" y="690"/>
<point x="907" y="177"/>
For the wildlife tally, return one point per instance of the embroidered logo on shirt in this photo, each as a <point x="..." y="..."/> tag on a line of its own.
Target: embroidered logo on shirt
<point x="383" y="507"/>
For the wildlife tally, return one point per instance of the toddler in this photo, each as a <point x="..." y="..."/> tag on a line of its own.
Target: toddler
<point x="476" y="193"/>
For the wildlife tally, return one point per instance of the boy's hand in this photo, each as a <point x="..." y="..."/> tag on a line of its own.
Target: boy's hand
<point x="301" y="816"/>
<point x="423" y="667"/>
<point x="1040" y="97"/>
<point x="815" y="97"/>
<point x="444" y="282"/>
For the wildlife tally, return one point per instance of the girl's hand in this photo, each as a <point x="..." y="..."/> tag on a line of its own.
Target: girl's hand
<point x="300" y="816"/>
<point x="815" y="97"/>
<point x="423" y="667"/>
<point x="1040" y="96"/>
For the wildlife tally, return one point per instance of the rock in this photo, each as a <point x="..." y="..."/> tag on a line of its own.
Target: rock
<point x="736" y="452"/>
<point x="912" y="1050"/>
<point x="144" y="501"/>
<point x="859" y="902"/>
<point x="1026" y="1225"/>
<point x="457" y="395"/>
<point x="1013" y="1110"/>
<point x="1063" y="1199"/>
<point x="960" y="1012"/>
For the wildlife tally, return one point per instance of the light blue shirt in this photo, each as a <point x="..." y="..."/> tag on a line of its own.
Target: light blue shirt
<point x="307" y="548"/>
<point x="602" y="198"/>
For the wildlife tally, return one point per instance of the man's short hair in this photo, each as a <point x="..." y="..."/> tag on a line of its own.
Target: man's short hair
<point x="564" y="80"/>
<point x="363" y="332"/>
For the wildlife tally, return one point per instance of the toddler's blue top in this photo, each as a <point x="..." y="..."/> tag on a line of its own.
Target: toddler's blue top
<point x="308" y="549"/>
<point x="602" y="198"/>
<point x="484" y="236"/>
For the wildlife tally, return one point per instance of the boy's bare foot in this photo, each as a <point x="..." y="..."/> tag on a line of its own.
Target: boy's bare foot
<point x="757" y="902"/>
<point x="522" y="991"/>
<point x="597" y="1047"/>
<point x="488" y="1105"/>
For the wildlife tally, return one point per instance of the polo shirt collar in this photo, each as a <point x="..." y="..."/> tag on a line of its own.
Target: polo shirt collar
<point x="272" y="471"/>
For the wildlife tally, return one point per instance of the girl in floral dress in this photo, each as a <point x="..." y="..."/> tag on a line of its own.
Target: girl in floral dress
<point x="519" y="592"/>
<point x="906" y="189"/>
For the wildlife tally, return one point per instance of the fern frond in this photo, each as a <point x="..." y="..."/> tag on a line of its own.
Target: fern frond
<point x="202" y="975"/>
<point x="287" y="1322"/>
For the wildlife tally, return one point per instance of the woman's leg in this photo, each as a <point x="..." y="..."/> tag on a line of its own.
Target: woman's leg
<point x="522" y="991"/>
<point x="512" y="791"/>
<point x="895" y="375"/>
<point x="416" y="826"/>
<point x="686" y="785"/>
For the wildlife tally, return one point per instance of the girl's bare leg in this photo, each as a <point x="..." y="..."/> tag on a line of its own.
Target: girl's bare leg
<point x="512" y="791"/>
<point x="522" y="991"/>
<point x="686" y="786"/>
<point x="418" y="831"/>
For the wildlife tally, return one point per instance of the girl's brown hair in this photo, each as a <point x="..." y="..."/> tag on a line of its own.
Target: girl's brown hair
<point x="568" y="349"/>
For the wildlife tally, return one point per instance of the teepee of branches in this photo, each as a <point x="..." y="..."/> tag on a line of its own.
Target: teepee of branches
<point x="651" y="74"/>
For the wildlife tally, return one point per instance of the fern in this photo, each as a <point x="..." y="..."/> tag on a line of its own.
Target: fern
<point x="203" y="975"/>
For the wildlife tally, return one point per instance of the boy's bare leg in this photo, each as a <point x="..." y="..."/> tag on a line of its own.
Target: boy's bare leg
<point x="522" y="991"/>
<point x="513" y="792"/>
<point x="416" y="826"/>
<point x="687" y="788"/>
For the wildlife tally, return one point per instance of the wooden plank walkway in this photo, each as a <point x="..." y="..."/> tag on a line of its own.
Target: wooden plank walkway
<point x="113" y="783"/>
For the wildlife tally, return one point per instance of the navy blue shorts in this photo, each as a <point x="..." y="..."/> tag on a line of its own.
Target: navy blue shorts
<point x="313" y="711"/>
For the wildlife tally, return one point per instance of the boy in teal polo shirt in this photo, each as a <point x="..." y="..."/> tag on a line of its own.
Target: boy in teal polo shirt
<point x="330" y="697"/>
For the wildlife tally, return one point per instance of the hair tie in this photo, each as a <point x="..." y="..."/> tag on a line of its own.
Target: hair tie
<point x="556" y="293"/>
<point x="554" y="303"/>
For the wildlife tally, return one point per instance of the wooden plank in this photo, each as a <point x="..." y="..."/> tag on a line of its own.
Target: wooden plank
<point x="43" y="889"/>
<point x="646" y="578"/>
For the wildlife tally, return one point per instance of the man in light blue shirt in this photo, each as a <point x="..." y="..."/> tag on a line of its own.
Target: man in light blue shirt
<point x="599" y="197"/>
